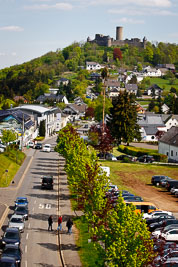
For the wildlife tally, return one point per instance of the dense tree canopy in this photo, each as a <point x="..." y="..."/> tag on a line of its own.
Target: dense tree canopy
<point x="122" y="120"/>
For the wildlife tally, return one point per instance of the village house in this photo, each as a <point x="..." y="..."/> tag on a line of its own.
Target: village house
<point x="93" y="66"/>
<point x="168" y="144"/>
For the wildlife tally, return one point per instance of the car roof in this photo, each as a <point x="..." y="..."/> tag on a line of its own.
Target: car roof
<point x="12" y="229"/>
<point x="47" y="145"/>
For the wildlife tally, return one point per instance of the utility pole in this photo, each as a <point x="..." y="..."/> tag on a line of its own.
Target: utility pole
<point x="104" y="75"/>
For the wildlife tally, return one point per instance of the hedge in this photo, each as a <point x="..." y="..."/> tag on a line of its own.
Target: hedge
<point x="137" y="152"/>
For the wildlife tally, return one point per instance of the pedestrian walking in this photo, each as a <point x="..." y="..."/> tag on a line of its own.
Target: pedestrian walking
<point x="50" y="223"/>
<point x="69" y="226"/>
<point x="59" y="223"/>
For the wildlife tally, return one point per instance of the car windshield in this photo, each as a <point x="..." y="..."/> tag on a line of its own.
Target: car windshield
<point x="7" y="264"/>
<point x="12" y="251"/>
<point x="16" y="220"/>
<point x="21" y="209"/>
<point x="11" y="235"/>
<point x="21" y="201"/>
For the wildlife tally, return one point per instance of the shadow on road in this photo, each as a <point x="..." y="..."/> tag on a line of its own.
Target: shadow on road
<point x="69" y="247"/>
<point x="50" y="246"/>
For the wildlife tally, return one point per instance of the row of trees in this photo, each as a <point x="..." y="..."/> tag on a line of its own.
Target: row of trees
<point x="119" y="234"/>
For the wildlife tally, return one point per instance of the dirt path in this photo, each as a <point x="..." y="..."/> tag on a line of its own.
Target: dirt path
<point x="161" y="198"/>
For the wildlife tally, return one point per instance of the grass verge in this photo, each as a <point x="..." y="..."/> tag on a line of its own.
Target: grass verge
<point x="88" y="255"/>
<point x="10" y="161"/>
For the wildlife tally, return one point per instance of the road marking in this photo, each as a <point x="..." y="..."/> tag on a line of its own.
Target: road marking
<point x="25" y="263"/>
<point x="27" y="236"/>
<point x="48" y="206"/>
<point x="26" y="249"/>
<point x="45" y="206"/>
<point x="29" y="226"/>
<point x="41" y="206"/>
<point x="35" y="202"/>
<point x="33" y="209"/>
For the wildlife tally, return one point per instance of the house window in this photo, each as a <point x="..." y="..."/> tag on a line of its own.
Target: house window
<point x="171" y="152"/>
<point x="167" y="153"/>
<point x="176" y="153"/>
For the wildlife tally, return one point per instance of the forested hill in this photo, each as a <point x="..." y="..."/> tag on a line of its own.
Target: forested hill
<point x="36" y="76"/>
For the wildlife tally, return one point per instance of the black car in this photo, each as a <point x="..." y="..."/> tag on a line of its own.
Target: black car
<point x="11" y="236"/>
<point x="22" y="211"/>
<point x="47" y="182"/>
<point x="163" y="223"/>
<point x="161" y="218"/>
<point x="38" y="146"/>
<point x="8" y="262"/>
<point x="156" y="179"/>
<point x="146" y="159"/>
<point x="14" y="252"/>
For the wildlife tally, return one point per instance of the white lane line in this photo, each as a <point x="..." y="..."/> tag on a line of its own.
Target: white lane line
<point x="27" y="236"/>
<point x="26" y="249"/>
<point x="35" y="202"/>
<point x="33" y="209"/>
<point x="29" y="226"/>
<point x="25" y="263"/>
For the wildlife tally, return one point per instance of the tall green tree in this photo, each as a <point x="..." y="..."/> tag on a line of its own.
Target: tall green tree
<point x="122" y="120"/>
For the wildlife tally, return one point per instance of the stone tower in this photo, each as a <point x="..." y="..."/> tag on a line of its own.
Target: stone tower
<point x="119" y="33"/>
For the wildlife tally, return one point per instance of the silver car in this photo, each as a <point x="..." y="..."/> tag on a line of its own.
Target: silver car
<point x="17" y="221"/>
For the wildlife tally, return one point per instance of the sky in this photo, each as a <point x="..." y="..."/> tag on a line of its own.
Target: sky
<point x="32" y="28"/>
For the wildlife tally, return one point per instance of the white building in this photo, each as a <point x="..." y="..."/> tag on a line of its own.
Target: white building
<point x="168" y="144"/>
<point x="93" y="66"/>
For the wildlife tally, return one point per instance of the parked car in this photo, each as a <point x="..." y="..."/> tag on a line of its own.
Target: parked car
<point x="146" y="159"/>
<point x="8" y="262"/>
<point x="107" y="155"/>
<point x="11" y="236"/>
<point x="156" y="179"/>
<point x="38" y="146"/>
<point x="30" y="144"/>
<point x="126" y="158"/>
<point x="156" y="214"/>
<point x="161" y="224"/>
<point x="21" y="202"/>
<point x="159" y="231"/>
<point x="161" y="218"/>
<point x="170" y="262"/>
<point x="170" y="235"/>
<point x="170" y="184"/>
<point x="133" y="198"/>
<point x="17" y="221"/>
<point x="13" y="251"/>
<point x="164" y="181"/>
<point x="47" y="148"/>
<point x="47" y="182"/>
<point x="22" y="211"/>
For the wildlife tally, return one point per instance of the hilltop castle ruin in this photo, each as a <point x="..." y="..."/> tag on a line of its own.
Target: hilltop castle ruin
<point x="108" y="41"/>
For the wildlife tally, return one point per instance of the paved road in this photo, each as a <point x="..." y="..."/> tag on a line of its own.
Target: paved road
<point x="39" y="246"/>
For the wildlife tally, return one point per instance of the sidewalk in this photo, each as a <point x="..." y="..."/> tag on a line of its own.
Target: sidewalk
<point x="68" y="246"/>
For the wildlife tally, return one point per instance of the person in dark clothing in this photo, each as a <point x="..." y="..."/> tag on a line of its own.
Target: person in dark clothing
<point x="50" y="223"/>
<point x="69" y="226"/>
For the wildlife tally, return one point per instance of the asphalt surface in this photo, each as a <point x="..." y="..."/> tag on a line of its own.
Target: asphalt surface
<point x="41" y="247"/>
